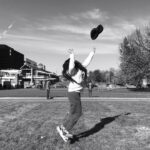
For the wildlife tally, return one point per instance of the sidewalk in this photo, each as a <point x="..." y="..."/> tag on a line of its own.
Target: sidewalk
<point x="90" y="99"/>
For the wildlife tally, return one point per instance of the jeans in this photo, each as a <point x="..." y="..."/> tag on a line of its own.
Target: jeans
<point x="75" y="110"/>
<point x="48" y="93"/>
<point x="90" y="93"/>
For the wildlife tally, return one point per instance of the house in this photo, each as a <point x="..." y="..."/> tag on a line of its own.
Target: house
<point x="10" y="78"/>
<point x="10" y="58"/>
<point x="16" y="71"/>
<point x="10" y="63"/>
<point x="34" y="75"/>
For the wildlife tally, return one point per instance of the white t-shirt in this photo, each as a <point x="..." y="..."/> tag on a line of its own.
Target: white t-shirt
<point x="73" y="86"/>
<point x="79" y="76"/>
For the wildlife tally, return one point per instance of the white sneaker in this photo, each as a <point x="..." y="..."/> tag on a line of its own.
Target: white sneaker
<point x="61" y="133"/>
<point x="67" y="134"/>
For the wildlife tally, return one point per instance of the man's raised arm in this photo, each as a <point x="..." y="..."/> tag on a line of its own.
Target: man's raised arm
<point x="72" y="60"/>
<point x="89" y="58"/>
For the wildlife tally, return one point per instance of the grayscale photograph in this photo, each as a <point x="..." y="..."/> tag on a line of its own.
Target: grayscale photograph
<point x="74" y="75"/>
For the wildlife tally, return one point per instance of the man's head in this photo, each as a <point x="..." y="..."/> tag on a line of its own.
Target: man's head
<point x="78" y="66"/>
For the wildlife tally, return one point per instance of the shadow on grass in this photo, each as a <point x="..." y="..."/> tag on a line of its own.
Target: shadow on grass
<point x="99" y="126"/>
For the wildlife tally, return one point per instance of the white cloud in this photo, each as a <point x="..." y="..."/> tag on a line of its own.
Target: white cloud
<point x="142" y="22"/>
<point x="6" y="31"/>
<point x="94" y="14"/>
<point x="75" y="23"/>
<point x="125" y="27"/>
<point x="71" y="28"/>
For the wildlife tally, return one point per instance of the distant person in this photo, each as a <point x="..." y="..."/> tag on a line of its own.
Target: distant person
<point x="90" y="88"/>
<point x="41" y="85"/>
<point x="76" y="73"/>
<point x="48" y="89"/>
<point x="53" y="79"/>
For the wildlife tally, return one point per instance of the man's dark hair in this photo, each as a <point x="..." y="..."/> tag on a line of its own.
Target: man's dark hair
<point x="78" y="66"/>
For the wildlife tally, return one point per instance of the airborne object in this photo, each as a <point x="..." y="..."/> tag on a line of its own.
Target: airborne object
<point x="96" y="31"/>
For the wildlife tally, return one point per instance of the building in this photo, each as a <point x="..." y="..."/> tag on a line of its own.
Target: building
<point x="34" y="75"/>
<point x="17" y="72"/>
<point x="10" y="63"/>
<point x="11" y="78"/>
<point x="10" y="58"/>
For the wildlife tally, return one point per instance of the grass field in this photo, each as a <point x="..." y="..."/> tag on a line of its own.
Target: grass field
<point x="62" y="92"/>
<point x="105" y="125"/>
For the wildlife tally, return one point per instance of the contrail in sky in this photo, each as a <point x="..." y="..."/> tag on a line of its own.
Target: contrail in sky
<point x="6" y="31"/>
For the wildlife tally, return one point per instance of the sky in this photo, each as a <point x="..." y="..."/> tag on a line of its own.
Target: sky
<point x="43" y="30"/>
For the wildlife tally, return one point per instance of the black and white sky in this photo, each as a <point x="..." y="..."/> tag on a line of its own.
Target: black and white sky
<point x="43" y="30"/>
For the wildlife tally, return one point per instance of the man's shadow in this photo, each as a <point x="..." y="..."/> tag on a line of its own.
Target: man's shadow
<point x="99" y="126"/>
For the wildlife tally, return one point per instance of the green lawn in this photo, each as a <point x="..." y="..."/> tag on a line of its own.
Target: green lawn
<point x="104" y="126"/>
<point x="62" y="92"/>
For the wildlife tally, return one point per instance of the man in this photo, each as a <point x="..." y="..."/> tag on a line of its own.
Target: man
<point x="48" y="87"/>
<point x="90" y="88"/>
<point x="76" y="73"/>
<point x="51" y="81"/>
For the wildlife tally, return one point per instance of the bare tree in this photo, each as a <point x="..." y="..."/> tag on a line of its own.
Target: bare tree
<point x="135" y="56"/>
